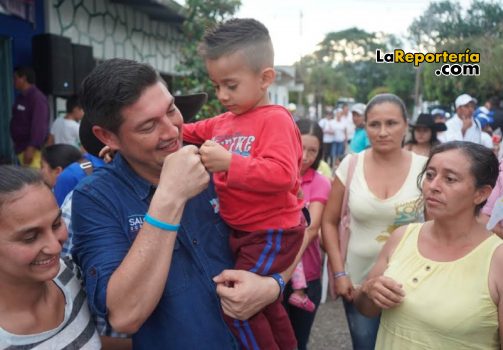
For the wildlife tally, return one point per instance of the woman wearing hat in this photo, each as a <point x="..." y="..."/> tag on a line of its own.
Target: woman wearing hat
<point x="424" y="134"/>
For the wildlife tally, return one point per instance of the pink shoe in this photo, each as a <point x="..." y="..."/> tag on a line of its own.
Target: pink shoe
<point x="303" y="303"/>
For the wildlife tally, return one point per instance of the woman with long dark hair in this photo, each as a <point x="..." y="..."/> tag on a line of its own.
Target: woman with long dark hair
<point x="382" y="195"/>
<point x="302" y="303"/>
<point x="424" y="134"/>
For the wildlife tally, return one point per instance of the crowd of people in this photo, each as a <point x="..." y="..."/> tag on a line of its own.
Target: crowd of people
<point x="219" y="243"/>
<point x="346" y="133"/>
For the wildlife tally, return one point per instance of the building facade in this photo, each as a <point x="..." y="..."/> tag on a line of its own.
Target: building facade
<point x="148" y="31"/>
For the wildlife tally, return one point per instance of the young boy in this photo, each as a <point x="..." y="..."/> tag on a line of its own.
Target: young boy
<point x="255" y="152"/>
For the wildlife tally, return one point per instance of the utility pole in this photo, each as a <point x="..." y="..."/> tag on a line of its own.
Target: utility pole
<point x="417" y="92"/>
<point x="301" y="78"/>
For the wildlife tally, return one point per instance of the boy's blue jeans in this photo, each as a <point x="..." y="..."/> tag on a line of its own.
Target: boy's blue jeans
<point x="363" y="329"/>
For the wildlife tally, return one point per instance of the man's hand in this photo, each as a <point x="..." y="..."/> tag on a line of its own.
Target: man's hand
<point x="183" y="175"/>
<point x="215" y="157"/>
<point x="28" y="155"/>
<point x="467" y="123"/>
<point x="243" y="293"/>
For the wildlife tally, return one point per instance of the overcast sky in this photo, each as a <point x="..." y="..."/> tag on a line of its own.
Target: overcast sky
<point x="294" y="35"/>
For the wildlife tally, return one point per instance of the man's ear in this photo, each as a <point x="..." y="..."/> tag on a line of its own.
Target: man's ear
<point x="107" y="137"/>
<point x="268" y="77"/>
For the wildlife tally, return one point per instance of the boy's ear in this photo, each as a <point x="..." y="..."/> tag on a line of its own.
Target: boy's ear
<point x="268" y="77"/>
<point x="107" y="137"/>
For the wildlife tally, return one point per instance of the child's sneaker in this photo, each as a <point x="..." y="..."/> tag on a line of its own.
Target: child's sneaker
<point x="302" y="302"/>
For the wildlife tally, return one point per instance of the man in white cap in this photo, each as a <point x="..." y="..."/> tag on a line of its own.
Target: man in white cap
<point x="360" y="140"/>
<point x="462" y="126"/>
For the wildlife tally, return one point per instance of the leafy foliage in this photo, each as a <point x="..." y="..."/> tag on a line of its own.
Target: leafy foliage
<point x="201" y="14"/>
<point x="348" y="46"/>
<point x="436" y="25"/>
<point x="345" y="66"/>
<point x="344" y="63"/>
<point x="445" y="27"/>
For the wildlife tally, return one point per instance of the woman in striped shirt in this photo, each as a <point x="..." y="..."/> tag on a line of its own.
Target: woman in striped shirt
<point x="42" y="304"/>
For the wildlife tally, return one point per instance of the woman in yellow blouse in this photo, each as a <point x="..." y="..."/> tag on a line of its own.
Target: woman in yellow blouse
<point x="439" y="284"/>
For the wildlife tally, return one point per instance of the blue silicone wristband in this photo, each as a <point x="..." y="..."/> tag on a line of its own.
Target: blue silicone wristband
<point x="159" y="224"/>
<point x="281" y="282"/>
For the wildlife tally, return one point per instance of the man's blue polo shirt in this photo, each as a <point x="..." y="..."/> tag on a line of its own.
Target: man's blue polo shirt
<point x="107" y="213"/>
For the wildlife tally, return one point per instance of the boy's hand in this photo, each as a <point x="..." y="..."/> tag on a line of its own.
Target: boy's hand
<point x="215" y="157"/>
<point x="107" y="154"/>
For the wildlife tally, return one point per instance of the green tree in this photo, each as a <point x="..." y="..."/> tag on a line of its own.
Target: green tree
<point x="436" y="26"/>
<point x="345" y="65"/>
<point x="201" y="14"/>
<point x="444" y="26"/>
<point x="483" y="19"/>
<point x="348" y="45"/>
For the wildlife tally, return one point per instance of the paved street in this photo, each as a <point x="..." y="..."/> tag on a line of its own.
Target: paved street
<point x="330" y="330"/>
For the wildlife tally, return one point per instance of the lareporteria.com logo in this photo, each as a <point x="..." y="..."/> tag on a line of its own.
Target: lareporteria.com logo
<point x="460" y="63"/>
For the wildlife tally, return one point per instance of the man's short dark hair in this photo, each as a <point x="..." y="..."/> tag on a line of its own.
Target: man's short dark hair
<point x="71" y="103"/>
<point x="111" y="86"/>
<point x="246" y="34"/>
<point x="27" y="72"/>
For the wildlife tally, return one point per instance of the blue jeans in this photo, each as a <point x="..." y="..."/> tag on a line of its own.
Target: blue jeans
<point x="327" y="153"/>
<point x="302" y="320"/>
<point x="337" y="150"/>
<point x="363" y="329"/>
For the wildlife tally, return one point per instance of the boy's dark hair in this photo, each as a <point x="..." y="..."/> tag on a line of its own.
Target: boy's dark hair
<point x="60" y="154"/>
<point x="27" y="72"/>
<point x="111" y="86"/>
<point x="309" y="127"/>
<point x="246" y="34"/>
<point x="13" y="178"/>
<point x="71" y="103"/>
